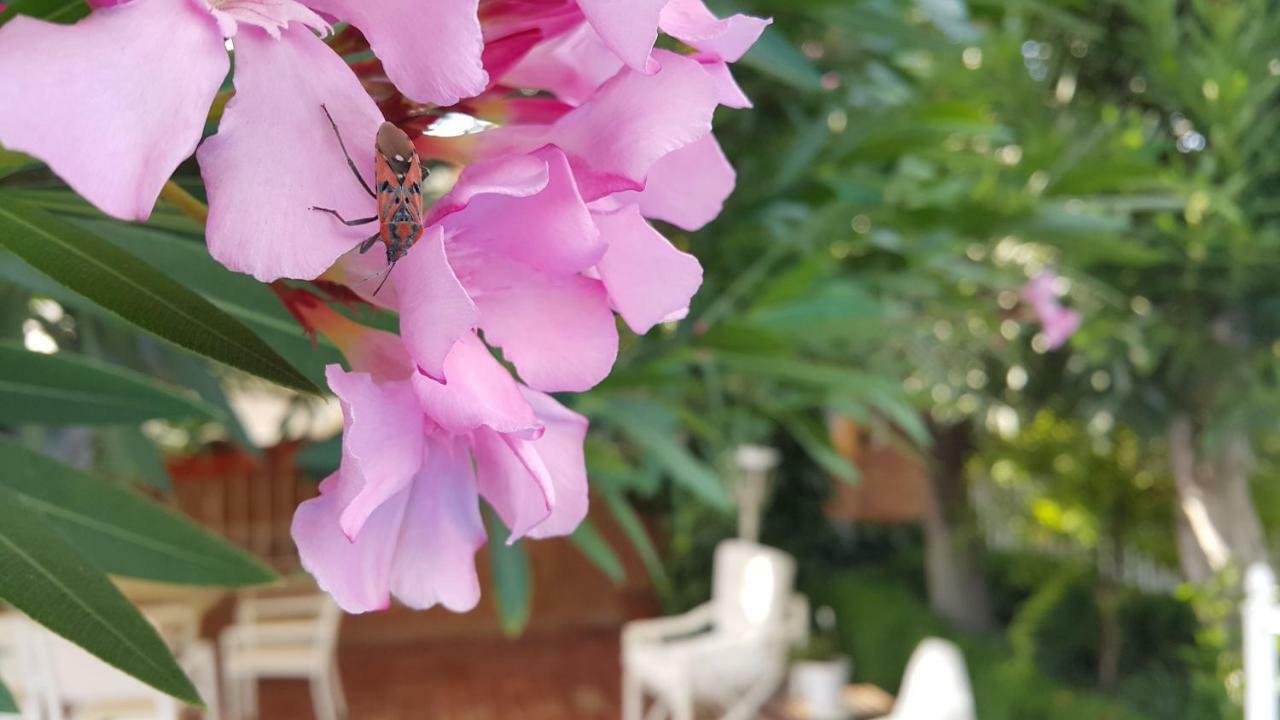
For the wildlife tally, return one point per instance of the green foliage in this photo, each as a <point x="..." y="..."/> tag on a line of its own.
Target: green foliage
<point x="1004" y="689"/>
<point x="137" y="292"/>
<point x="512" y="577"/>
<point x="49" y="580"/>
<point x="65" y="388"/>
<point x="7" y="705"/>
<point x="596" y="549"/>
<point x="122" y="532"/>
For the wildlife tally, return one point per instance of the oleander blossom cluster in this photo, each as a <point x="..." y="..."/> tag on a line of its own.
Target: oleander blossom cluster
<point x="1057" y="323"/>
<point x="579" y="134"/>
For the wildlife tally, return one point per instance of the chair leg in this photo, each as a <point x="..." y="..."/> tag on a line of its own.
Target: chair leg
<point x="322" y="697"/>
<point x="249" y="697"/>
<point x="339" y="696"/>
<point x="632" y="697"/>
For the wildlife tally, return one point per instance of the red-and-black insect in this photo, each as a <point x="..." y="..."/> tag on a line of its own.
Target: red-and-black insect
<point x="399" y="173"/>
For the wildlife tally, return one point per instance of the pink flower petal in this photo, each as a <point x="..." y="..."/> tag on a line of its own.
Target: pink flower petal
<point x="480" y="393"/>
<point x="513" y="478"/>
<point x="550" y="231"/>
<point x="560" y="448"/>
<point x="442" y="530"/>
<point x="435" y="310"/>
<point x="570" y="66"/>
<point x="1059" y="324"/>
<point x="512" y="175"/>
<point x="731" y="94"/>
<point x="557" y="331"/>
<point x="357" y="574"/>
<point x="634" y="120"/>
<point x="505" y="53"/>
<point x="120" y="97"/>
<point x="430" y="48"/>
<point x="647" y="278"/>
<point x="728" y="39"/>
<point x="628" y="27"/>
<point x="275" y="156"/>
<point x="381" y="442"/>
<point x="688" y="187"/>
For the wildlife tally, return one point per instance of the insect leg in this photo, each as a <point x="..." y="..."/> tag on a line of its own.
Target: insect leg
<point x="365" y="245"/>
<point x="350" y="163"/>
<point x="390" y="267"/>
<point x="361" y="221"/>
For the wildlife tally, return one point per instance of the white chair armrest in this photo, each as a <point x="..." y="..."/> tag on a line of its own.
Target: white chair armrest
<point x="797" y="620"/>
<point x="659" y="629"/>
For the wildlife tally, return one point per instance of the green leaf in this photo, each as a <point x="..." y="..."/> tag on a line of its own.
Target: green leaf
<point x="66" y="388"/>
<point x="128" y="457"/>
<point x="653" y="429"/>
<point x="820" y="450"/>
<point x="775" y="56"/>
<point x="239" y="295"/>
<point x="62" y="11"/>
<point x="122" y="532"/>
<point x="12" y="162"/>
<point x="321" y="458"/>
<point x="44" y="577"/>
<point x="7" y="703"/>
<point x="633" y="526"/>
<point x="138" y="292"/>
<point x="512" y="580"/>
<point x="598" y="551"/>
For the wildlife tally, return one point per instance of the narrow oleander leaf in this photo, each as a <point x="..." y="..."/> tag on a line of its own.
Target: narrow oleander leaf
<point x="60" y="11"/>
<point x="819" y="449"/>
<point x="240" y="295"/>
<point x="7" y="704"/>
<point x="596" y="549"/>
<point x="775" y="56"/>
<point x="42" y="575"/>
<point x="128" y="457"/>
<point x="64" y="388"/>
<point x="121" y="531"/>
<point x="651" y="427"/>
<point x="138" y="292"/>
<point x="512" y="578"/>
<point x="634" y="529"/>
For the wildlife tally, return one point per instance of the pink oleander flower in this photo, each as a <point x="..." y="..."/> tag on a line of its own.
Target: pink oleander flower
<point x="401" y="515"/>
<point x="131" y="85"/>
<point x="1057" y="323"/>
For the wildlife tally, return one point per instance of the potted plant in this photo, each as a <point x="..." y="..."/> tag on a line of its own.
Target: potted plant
<point x="819" y="671"/>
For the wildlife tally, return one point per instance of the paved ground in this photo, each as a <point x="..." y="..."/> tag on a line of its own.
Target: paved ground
<point x="555" y="676"/>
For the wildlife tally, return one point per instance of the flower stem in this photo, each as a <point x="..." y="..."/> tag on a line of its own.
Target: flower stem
<point x="185" y="201"/>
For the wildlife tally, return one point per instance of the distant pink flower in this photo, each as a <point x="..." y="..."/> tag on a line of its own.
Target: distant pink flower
<point x="1057" y="323"/>
<point x="401" y="515"/>
<point x="130" y="86"/>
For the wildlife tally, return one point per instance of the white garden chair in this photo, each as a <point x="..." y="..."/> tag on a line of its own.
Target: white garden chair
<point x="730" y="652"/>
<point x="64" y="682"/>
<point x="283" y="637"/>
<point x="935" y="685"/>
<point x="179" y="626"/>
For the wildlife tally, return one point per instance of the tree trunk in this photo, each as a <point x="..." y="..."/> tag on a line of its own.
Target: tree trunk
<point x="1216" y="521"/>
<point x="953" y="576"/>
<point x="1107" y="595"/>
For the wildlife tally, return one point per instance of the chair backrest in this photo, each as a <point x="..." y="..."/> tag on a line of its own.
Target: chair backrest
<point x="752" y="587"/>
<point x="935" y="685"/>
<point x="314" y="608"/>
